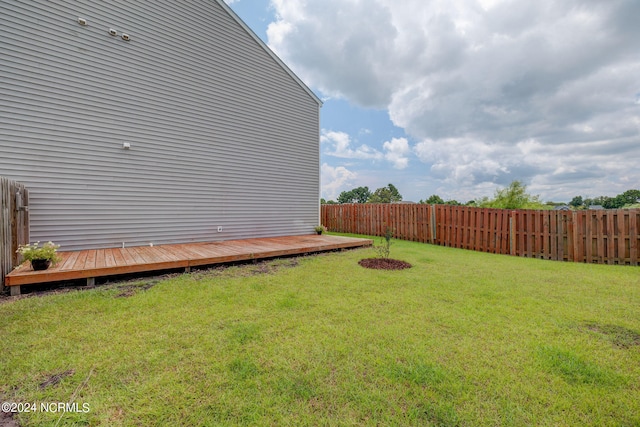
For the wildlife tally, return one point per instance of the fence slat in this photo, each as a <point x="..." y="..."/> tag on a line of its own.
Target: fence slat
<point x="621" y="237"/>
<point x="580" y="237"/>
<point x="588" y="236"/>
<point x="567" y="245"/>
<point x="610" y="238"/>
<point x="552" y="232"/>
<point x="562" y="235"/>
<point x="601" y="238"/>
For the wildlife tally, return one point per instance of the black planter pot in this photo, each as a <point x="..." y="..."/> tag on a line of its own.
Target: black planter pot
<point x="40" y="264"/>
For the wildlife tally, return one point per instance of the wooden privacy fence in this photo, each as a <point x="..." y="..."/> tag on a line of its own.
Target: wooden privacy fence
<point x="593" y="236"/>
<point x="14" y="224"/>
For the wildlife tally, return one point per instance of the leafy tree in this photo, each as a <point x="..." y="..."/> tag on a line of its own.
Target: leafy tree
<point x="327" y="202"/>
<point x="601" y="200"/>
<point x="388" y="194"/>
<point x="483" y="202"/>
<point x="631" y="197"/>
<point x="362" y="194"/>
<point x="514" y="196"/>
<point x="345" y="197"/>
<point x="437" y="200"/>
<point x="434" y="199"/>
<point x="626" y="199"/>
<point x="576" y="202"/>
<point x="357" y="195"/>
<point x="613" y="202"/>
<point x="395" y="194"/>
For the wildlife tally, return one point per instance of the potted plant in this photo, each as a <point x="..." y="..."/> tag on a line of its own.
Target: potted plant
<point x="41" y="257"/>
<point x="320" y="229"/>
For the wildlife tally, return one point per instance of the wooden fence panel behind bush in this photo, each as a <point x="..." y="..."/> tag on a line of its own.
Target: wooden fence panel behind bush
<point x="592" y="236"/>
<point x="14" y="224"/>
<point x="409" y="222"/>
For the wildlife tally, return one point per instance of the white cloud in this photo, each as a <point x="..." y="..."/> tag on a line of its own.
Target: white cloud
<point x="396" y="152"/>
<point x="340" y="146"/>
<point x="477" y="82"/>
<point x="464" y="161"/>
<point x="335" y="180"/>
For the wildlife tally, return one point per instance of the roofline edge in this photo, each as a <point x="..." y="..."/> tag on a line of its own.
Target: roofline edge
<point x="271" y="53"/>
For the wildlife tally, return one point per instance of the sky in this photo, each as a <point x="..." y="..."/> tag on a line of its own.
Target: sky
<point x="460" y="97"/>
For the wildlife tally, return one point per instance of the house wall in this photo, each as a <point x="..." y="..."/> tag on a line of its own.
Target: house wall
<point x="221" y="134"/>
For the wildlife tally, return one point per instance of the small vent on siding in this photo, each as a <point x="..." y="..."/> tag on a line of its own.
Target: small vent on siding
<point x="82" y="21"/>
<point x="125" y="37"/>
<point x="113" y="32"/>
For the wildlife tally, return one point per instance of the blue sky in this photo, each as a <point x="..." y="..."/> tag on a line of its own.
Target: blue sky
<point x="458" y="98"/>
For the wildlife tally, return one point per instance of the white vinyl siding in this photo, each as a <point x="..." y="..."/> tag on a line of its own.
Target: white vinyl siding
<point x="221" y="133"/>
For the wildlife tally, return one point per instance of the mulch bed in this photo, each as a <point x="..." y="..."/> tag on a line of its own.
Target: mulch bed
<point x="384" y="264"/>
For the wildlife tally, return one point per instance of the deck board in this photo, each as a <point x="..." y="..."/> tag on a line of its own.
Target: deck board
<point x="100" y="258"/>
<point x="94" y="263"/>
<point x="118" y="258"/>
<point x="80" y="261"/>
<point x="134" y="256"/>
<point x="68" y="260"/>
<point x="90" y="262"/>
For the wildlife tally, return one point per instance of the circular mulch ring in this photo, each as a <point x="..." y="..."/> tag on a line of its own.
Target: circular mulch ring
<point x="384" y="264"/>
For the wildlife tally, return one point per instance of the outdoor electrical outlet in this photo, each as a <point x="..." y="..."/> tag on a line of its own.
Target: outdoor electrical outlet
<point x="219" y="229"/>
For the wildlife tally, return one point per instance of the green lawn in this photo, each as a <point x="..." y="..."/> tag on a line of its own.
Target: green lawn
<point x="462" y="338"/>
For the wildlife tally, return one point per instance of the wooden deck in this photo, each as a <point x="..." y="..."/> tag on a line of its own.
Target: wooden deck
<point x="92" y="263"/>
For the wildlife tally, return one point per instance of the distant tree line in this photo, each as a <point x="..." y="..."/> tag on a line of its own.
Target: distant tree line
<point x="388" y="194"/>
<point x="628" y="199"/>
<point x="514" y="196"/>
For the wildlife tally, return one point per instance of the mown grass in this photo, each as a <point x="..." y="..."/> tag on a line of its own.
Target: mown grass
<point x="460" y="339"/>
